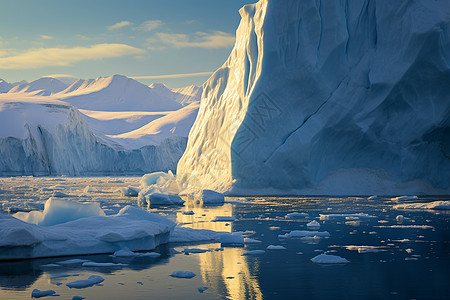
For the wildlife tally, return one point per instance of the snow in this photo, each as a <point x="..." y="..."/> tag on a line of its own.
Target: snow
<point x="38" y="294"/>
<point x="57" y="211"/>
<point x="329" y="259"/>
<point x="305" y="233"/>
<point x="132" y="227"/>
<point x="232" y="238"/>
<point x="183" y="274"/>
<point x="437" y="205"/>
<point x="45" y="133"/>
<point x="327" y="98"/>
<point x="275" y="247"/>
<point x="84" y="283"/>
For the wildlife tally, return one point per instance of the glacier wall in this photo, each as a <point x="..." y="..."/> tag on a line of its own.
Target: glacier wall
<point x="328" y="97"/>
<point x="66" y="145"/>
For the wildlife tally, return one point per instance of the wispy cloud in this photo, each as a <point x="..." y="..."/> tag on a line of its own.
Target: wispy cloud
<point x="214" y="40"/>
<point x="83" y="37"/>
<point x="119" y="25"/>
<point x="46" y="37"/>
<point x="173" y="75"/>
<point x="45" y="57"/>
<point x="149" y="25"/>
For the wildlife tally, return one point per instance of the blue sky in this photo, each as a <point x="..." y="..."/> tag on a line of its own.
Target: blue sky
<point x="137" y="38"/>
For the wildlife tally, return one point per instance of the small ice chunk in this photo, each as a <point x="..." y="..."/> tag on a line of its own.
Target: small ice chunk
<point x="224" y="219"/>
<point x="313" y="224"/>
<point x="190" y="212"/>
<point x="296" y="215"/>
<point x="328" y="259"/>
<point x="90" y="189"/>
<point x="232" y="238"/>
<point x="129" y="191"/>
<point x="343" y="216"/>
<point x="194" y="250"/>
<point x="183" y="274"/>
<point x="78" y="298"/>
<point x="95" y="264"/>
<point x="275" y="247"/>
<point x="50" y="266"/>
<point x="254" y="252"/>
<point x="409" y="250"/>
<point x="363" y="249"/>
<point x="374" y="197"/>
<point x="304" y="233"/>
<point x="163" y="199"/>
<point x="402" y="198"/>
<point x="437" y="205"/>
<point x="72" y="261"/>
<point x="212" y="197"/>
<point x="128" y="253"/>
<point x="38" y="294"/>
<point x="251" y="241"/>
<point x="202" y="289"/>
<point x="84" y="283"/>
<point x="400" y="218"/>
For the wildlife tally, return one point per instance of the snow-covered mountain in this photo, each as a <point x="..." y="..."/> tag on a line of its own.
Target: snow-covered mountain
<point x="187" y="94"/>
<point x="116" y="93"/>
<point x="42" y="133"/>
<point x="43" y="86"/>
<point x="5" y="86"/>
<point x="328" y="97"/>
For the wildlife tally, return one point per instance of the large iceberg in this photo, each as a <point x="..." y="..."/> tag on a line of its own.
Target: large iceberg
<point x="328" y="97"/>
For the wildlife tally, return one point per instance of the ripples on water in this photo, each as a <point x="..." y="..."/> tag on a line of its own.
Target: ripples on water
<point x="411" y="261"/>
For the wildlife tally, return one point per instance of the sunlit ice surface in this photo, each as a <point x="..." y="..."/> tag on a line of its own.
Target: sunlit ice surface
<point x="392" y="253"/>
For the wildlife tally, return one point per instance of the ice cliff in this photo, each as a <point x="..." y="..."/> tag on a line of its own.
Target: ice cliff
<point x="328" y="97"/>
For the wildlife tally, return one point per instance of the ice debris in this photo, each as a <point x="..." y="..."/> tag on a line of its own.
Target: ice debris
<point x="328" y="259"/>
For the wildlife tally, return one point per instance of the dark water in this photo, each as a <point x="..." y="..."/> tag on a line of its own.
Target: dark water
<point x="412" y="262"/>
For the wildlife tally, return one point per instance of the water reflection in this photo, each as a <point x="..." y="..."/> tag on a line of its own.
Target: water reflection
<point x="227" y="271"/>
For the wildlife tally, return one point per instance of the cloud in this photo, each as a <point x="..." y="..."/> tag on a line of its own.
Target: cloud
<point x="173" y="75"/>
<point x="83" y="37"/>
<point x="45" y="57"/>
<point x="46" y="37"/>
<point x="119" y="25"/>
<point x="149" y="25"/>
<point x="214" y="40"/>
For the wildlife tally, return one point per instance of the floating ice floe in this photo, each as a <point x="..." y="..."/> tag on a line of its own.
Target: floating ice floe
<point x="363" y="249"/>
<point x="132" y="227"/>
<point x="73" y="261"/>
<point x="95" y="264"/>
<point x="84" y="283"/>
<point x="374" y="197"/>
<point x="232" y="238"/>
<point x="275" y="247"/>
<point x="343" y="216"/>
<point x="400" y="218"/>
<point x="194" y="250"/>
<point x="437" y="205"/>
<point x="296" y="215"/>
<point x="163" y="199"/>
<point x="224" y="219"/>
<point x="407" y="226"/>
<point x="129" y="191"/>
<point x="251" y="241"/>
<point x="313" y="224"/>
<point x="78" y="298"/>
<point x="57" y="211"/>
<point x="329" y="259"/>
<point x="210" y="197"/>
<point x="254" y="252"/>
<point x="38" y="294"/>
<point x="304" y="233"/>
<point x="403" y="198"/>
<point x="183" y="274"/>
<point x="128" y="253"/>
<point x="202" y="289"/>
<point x="184" y="234"/>
<point x="190" y="212"/>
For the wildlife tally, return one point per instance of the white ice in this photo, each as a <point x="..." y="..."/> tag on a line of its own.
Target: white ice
<point x="305" y="233"/>
<point x="84" y="283"/>
<point x="275" y="247"/>
<point x="437" y="205"/>
<point x="232" y="238"/>
<point x="328" y="259"/>
<point x="183" y="274"/>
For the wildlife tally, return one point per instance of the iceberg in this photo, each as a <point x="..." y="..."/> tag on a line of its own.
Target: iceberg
<point x="328" y="98"/>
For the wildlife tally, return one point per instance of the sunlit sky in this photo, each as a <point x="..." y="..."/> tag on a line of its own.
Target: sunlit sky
<point x="144" y="39"/>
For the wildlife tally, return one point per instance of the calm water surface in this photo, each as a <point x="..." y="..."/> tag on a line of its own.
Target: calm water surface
<point x="410" y="262"/>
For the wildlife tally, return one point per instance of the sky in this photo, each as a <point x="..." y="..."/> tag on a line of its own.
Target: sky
<point x="176" y="42"/>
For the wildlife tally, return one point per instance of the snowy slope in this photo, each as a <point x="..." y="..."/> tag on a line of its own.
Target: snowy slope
<point x="45" y="86"/>
<point x="5" y="86"/>
<point x="40" y="135"/>
<point x="116" y="93"/>
<point x="327" y="97"/>
<point x="187" y="94"/>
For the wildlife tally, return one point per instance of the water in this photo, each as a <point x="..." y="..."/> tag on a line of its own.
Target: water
<point x="411" y="262"/>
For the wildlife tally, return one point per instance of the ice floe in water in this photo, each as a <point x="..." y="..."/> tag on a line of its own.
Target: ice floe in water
<point x="313" y="224"/>
<point x="344" y="216"/>
<point x="437" y="205"/>
<point x="304" y="233"/>
<point x="183" y="274"/>
<point x="224" y="219"/>
<point x="212" y="198"/>
<point x="296" y="215"/>
<point x="275" y="247"/>
<point x="363" y="249"/>
<point x="232" y="238"/>
<point x="38" y="294"/>
<point x="254" y="252"/>
<point x="329" y="259"/>
<point x="128" y="253"/>
<point x="403" y="198"/>
<point x="84" y="283"/>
